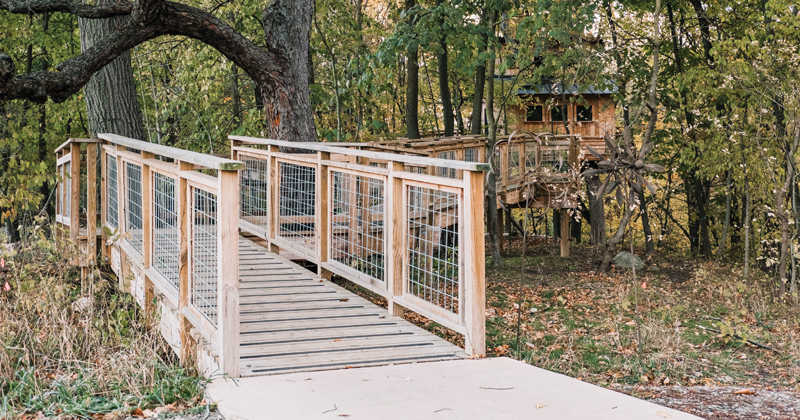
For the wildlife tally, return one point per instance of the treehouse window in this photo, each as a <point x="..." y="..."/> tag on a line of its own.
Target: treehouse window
<point x="556" y="114"/>
<point x="534" y="114"/>
<point x="584" y="113"/>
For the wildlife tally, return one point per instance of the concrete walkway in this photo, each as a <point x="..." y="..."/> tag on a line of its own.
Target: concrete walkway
<point x="496" y="388"/>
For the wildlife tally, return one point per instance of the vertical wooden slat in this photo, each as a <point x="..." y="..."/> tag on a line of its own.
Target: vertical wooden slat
<point x="393" y="222"/>
<point x="75" y="198"/>
<point x="228" y="261"/>
<point x="322" y="214"/>
<point x="273" y="185"/>
<point x="183" y="272"/>
<point x="122" y="200"/>
<point x="91" y="202"/>
<point x="147" y="231"/>
<point x="474" y="264"/>
<point x="103" y="202"/>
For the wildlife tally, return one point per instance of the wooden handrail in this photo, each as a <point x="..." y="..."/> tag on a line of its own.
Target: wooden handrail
<point x="200" y="159"/>
<point x="389" y="157"/>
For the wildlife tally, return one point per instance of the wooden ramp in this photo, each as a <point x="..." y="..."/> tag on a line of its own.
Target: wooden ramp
<point x="292" y="321"/>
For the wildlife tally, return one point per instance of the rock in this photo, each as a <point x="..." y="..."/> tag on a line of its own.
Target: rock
<point x="627" y="260"/>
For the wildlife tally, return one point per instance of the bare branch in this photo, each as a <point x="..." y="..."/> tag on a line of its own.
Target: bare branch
<point x="32" y="7"/>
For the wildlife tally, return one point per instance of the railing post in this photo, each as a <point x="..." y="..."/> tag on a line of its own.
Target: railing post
<point x="122" y="220"/>
<point x="322" y="214"/>
<point x="228" y="261"/>
<point x="75" y="197"/>
<point x="91" y="203"/>
<point x="564" y="232"/>
<point x="474" y="264"/>
<point x="103" y="201"/>
<point x="393" y="222"/>
<point x="183" y="267"/>
<point x="273" y="191"/>
<point x="147" y="231"/>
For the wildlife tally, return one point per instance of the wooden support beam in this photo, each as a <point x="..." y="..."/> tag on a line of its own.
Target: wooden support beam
<point x="122" y="216"/>
<point x="105" y="252"/>
<point x="564" y="233"/>
<point x="501" y="231"/>
<point x="228" y="262"/>
<point x="474" y="277"/>
<point x="322" y="214"/>
<point x="91" y="204"/>
<point x="273" y="184"/>
<point x="75" y="197"/>
<point x="394" y="238"/>
<point x="183" y="263"/>
<point x="147" y="232"/>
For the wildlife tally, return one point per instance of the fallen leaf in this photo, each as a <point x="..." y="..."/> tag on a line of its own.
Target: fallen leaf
<point x="540" y="405"/>
<point x="137" y="413"/>
<point x="343" y="300"/>
<point x="338" y="339"/>
<point x="746" y="391"/>
<point x="663" y="414"/>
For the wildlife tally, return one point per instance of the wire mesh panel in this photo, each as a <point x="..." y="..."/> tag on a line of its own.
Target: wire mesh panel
<point x="165" y="230"/>
<point x="67" y="192"/>
<point x="112" y="210"/>
<point x="358" y="220"/>
<point x="205" y="272"/>
<point x="254" y="199"/>
<point x="133" y="216"/>
<point x="432" y="242"/>
<point x="296" y="203"/>
<point x="447" y="172"/>
<point x="514" y="170"/>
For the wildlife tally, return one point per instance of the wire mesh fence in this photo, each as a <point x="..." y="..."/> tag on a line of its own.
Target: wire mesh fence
<point x="254" y="199"/>
<point x="205" y="273"/>
<point x="555" y="159"/>
<point x="358" y="221"/>
<point x="433" y="260"/>
<point x="133" y="216"/>
<point x="296" y="205"/>
<point x="165" y="229"/>
<point x="67" y="192"/>
<point x="112" y="203"/>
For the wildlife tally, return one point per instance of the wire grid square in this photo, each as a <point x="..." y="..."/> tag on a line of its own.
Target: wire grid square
<point x="254" y="198"/>
<point x="447" y="172"/>
<point x="296" y="204"/>
<point x="165" y="229"/>
<point x="134" y="213"/>
<point x="67" y="193"/>
<point x="112" y="211"/>
<point x="358" y="220"/>
<point x="555" y="159"/>
<point x="433" y="259"/>
<point x="205" y="272"/>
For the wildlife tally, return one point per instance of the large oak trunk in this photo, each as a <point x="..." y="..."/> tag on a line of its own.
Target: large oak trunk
<point x="111" y="103"/>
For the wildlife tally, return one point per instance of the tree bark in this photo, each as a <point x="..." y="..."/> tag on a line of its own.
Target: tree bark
<point x="597" y="211"/>
<point x="412" y="83"/>
<point x="480" y="81"/>
<point x="111" y="102"/>
<point x="492" y="178"/>
<point x="648" y="231"/>
<point x="444" y="89"/>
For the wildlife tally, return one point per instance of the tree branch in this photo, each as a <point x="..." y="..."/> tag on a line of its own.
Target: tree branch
<point x="149" y="19"/>
<point x="33" y="7"/>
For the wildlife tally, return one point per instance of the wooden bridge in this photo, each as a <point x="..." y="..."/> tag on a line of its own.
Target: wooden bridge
<point x="212" y="245"/>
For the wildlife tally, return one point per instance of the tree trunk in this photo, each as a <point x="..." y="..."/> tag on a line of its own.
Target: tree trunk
<point x="492" y="181"/>
<point x="727" y="224"/>
<point x="412" y="84"/>
<point x="477" y="98"/>
<point x="648" y="232"/>
<point x="444" y="89"/>
<point x="111" y="103"/>
<point x="597" y="212"/>
<point x="287" y="104"/>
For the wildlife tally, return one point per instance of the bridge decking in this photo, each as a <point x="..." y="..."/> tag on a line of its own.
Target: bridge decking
<point x="293" y="321"/>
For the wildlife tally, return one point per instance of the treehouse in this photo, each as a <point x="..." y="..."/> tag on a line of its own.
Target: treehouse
<point x="593" y="117"/>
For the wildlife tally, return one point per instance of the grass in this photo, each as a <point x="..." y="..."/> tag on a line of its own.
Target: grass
<point x="76" y="352"/>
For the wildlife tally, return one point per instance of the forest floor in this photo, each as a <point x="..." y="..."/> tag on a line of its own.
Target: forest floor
<point x="562" y="314"/>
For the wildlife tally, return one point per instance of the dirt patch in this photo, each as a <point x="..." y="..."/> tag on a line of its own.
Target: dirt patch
<point x="728" y="403"/>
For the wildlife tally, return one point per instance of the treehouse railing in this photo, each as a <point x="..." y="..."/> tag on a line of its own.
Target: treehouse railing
<point x="373" y="218"/>
<point x="179" y="225"/>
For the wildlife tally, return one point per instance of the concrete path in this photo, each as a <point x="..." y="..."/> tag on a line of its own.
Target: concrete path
<point x="496" y="388"/>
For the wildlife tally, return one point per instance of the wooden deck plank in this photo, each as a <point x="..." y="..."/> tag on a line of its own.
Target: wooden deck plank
<point x="292" y="321"/>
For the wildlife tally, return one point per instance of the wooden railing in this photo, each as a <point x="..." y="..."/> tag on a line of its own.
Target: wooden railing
<point x="377" y="220"/>
<point x="175" y="224"/>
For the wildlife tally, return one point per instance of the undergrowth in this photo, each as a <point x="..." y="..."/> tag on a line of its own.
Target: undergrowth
<point x="73" y="352"/>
